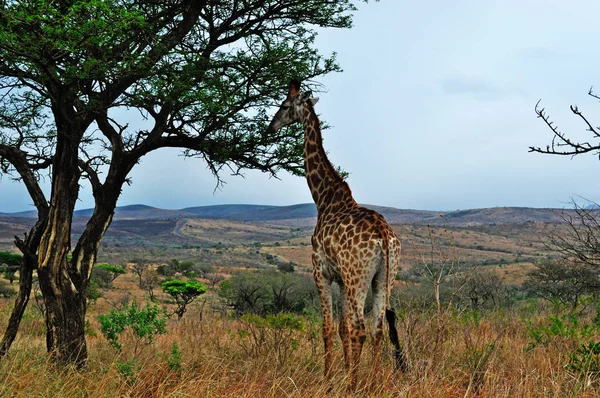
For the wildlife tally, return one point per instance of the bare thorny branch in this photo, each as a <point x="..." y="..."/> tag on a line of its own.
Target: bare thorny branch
<point x="561" y="143"/>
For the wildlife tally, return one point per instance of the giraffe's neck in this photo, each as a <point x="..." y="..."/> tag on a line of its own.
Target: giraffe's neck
<point x="329" y="190"/>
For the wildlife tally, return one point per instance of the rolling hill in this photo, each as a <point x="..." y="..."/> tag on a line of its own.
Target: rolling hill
<point x="305" y="214"/>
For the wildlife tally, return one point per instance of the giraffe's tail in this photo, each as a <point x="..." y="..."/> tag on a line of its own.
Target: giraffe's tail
<point x="390" y="314"/>
<point x="399" y="362"/>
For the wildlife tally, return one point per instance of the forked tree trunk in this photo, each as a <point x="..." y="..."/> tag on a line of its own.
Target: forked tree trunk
<point x="60" y="284"/>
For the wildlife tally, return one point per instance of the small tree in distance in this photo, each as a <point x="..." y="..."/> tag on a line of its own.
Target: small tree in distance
<point x="105" y="274"/>
<point x="150" y="280"/>
<point x="139" y="266"/>
<point x="214" y="279"/>
<point x="9" y="265"/>
<point x="183" y="292"/>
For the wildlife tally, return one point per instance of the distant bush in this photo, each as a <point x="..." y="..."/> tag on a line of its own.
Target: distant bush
<point x="264" y="292"/>
<point x="93" y="291"/>
<point x="562" y="281"/>
<point x="105" y="274"/>
<point x="6" y="291"/>
<point x="181" y="267"/>
<point x="205" y="269"/>
<point x="140" y="265"/>
<point x="9" y="265"/>
<point x="481" y="288"/>
<point x="286" y="267"/>
<point x="165" y="270"/>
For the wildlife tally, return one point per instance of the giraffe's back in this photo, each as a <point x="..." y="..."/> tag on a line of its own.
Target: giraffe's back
<point x="351" y="241"/>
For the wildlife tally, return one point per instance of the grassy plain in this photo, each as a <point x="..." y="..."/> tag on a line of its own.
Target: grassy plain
<point x="499" y="353"/>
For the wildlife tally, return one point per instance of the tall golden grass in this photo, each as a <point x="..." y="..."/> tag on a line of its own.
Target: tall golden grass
<point x="450" y="355"/>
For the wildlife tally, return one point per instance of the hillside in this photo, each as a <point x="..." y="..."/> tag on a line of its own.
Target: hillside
<point x="302" y="215"/>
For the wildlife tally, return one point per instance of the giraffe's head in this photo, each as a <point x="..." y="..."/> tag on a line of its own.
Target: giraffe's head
<point x="292" y="108"/>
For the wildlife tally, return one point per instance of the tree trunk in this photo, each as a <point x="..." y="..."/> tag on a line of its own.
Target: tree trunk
<point x="61" y="284"/>
<point x="25" y="281"/>
<point x="65" y="323"/>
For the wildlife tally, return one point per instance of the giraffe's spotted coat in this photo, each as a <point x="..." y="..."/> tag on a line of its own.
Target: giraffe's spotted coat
<point x="351" y="245"/>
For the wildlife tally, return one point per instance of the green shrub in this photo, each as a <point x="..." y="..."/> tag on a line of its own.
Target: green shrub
<point x="9" y="258"/>
<point x="140" y="324"/>
<point x="128" y="370"/>
<point x="585" y="362"/>
<point x="567" y="326"/>
<point x="93" y="291"/>
<point x="174" y="358"/>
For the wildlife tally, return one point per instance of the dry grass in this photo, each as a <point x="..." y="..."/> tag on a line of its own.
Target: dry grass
<point x="450" y="355"/>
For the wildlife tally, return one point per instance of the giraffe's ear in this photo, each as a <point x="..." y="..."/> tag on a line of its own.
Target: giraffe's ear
<point x="307" y="97"/>
<point x="294" y="90"/>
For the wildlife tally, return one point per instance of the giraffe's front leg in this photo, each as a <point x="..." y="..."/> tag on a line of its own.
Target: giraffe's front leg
<point x="324" y="289"/>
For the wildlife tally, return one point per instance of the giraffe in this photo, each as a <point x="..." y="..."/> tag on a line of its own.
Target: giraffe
<point x="351" y="245"/>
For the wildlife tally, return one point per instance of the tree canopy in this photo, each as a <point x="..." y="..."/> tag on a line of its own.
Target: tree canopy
<point x="183" y="292"/>
<point x="200" y="74"/>
<point x="89" y="87"/>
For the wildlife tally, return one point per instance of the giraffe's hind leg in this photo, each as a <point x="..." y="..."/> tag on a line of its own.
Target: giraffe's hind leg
<point x="379" y="288"/>
<point x="324" y="289"/>
<point x="356" y="297"/>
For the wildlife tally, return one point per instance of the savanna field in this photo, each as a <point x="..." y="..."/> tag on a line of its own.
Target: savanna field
<point x="109" y="104"/>
<point x="510" y="345"/>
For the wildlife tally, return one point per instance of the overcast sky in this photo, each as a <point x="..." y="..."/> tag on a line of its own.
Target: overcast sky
<point x="434" y="110"/>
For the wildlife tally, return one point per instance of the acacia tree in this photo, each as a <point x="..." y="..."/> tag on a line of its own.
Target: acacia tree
<point x="201" y="74"/>
<point x="579" y="240"/>
<point x="139" y="267"/>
